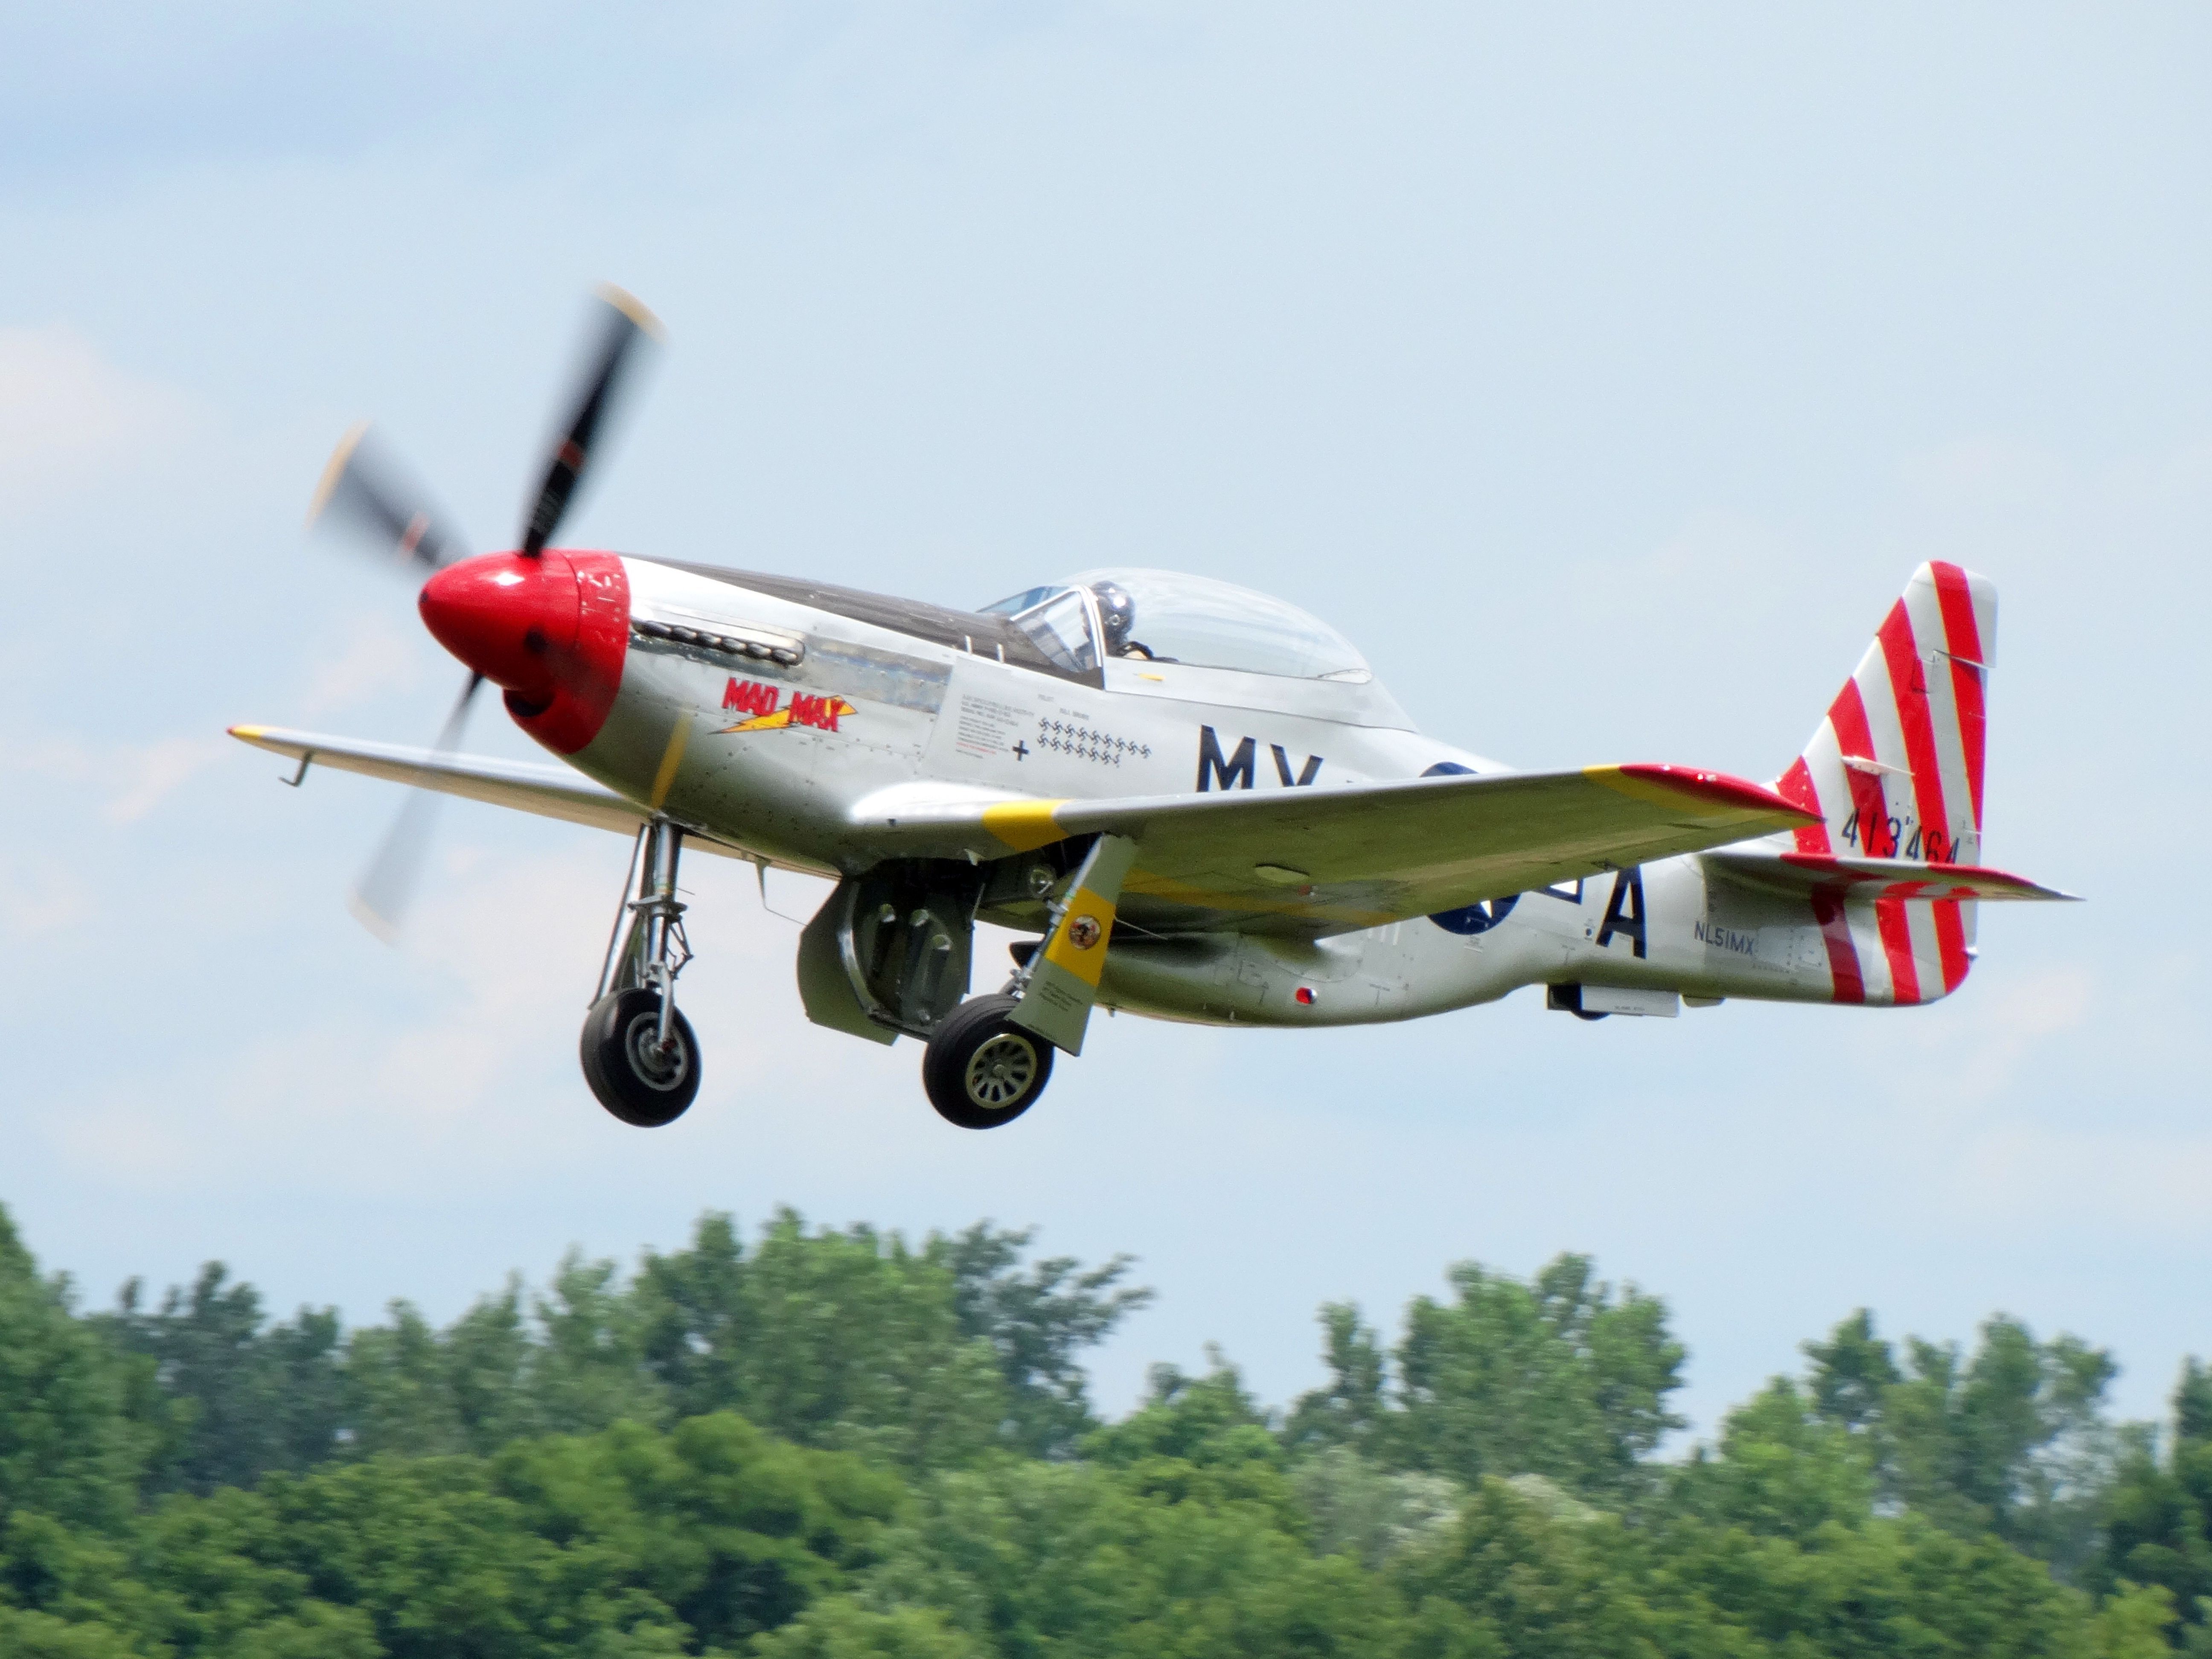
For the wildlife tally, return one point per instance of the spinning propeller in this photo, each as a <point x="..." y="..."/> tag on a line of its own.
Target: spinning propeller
<point x="367" y="494"/>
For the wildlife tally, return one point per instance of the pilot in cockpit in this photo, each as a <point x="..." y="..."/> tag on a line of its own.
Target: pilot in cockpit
<point x="1117" y="615"/>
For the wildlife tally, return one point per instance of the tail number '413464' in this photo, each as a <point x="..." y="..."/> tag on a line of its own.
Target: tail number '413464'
<point x="1885" y="838"/>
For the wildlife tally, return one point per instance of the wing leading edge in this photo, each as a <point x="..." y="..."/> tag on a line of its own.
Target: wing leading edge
<point x="1322" y="860"/>
<point x="550" y="791"/>
<point x="1306" y="862"/>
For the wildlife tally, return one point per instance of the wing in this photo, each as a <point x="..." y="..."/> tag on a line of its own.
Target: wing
<point x="1876" y="878"/>
<point x="550" y="791"/>
<point x="1321" y="860"/>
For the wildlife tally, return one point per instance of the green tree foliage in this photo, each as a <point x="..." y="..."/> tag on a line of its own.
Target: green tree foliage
<point x="1518" y="1575"/>
<point x="629" y="1542"/>
<point x="1527" y="1571"/>
<point x="826" y="1444"/>
<point x="2009" y="1440"/>
<point x="1026" y="1560"/>
<point x="1781" y="1470"/>
<point x="925" y="1357"/>
<point x="1852" y="1373"/>
<point x="1352" y="1412"/>
<point x="1561" y="1376"/>
<point x="838" y="1627"/>
<point x="2159" y="1516"/>
<point x="850" y="1338"/>
<point x="1038" y="1323"/>
<point x="1358" y="1507"/>
<point x="79" y="1421"/>
<point x="928" y="1356"/>
<point x="252" y="1397"/>
<point x="1201" y="1438"/>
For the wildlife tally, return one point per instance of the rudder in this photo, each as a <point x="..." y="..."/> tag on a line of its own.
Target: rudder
<point x="1895" y="771"/>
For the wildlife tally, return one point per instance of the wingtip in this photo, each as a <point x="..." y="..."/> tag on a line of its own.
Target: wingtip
<point x="248" y="733"/>
<point x="2028" y="889"/>
<point x="1715" y="788"/>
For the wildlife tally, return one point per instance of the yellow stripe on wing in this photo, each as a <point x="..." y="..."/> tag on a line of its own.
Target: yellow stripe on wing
<point x="1024" y="825"/>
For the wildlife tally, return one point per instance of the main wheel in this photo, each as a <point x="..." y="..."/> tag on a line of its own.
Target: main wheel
<point x="981" y="1069"/>
<point x="641" y="1083"/>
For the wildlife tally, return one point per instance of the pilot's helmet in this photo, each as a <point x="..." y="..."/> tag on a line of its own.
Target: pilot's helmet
<point x="1117" y="615"/>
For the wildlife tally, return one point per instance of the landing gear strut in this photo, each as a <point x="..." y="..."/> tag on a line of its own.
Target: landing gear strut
<point x="639" y="1054"/>
<point x="989" y="1059"/>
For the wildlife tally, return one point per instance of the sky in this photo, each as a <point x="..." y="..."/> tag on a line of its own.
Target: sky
<point x="1602" y="372"/>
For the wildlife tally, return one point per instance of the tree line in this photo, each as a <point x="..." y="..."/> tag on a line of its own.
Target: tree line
<point x="827" y="1443"/>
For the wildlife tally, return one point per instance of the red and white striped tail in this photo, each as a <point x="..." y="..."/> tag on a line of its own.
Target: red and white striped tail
<point x="1895" y="772"/>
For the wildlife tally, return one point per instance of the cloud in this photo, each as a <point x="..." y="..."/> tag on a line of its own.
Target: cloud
<point x="37" y="897"/>
<point x="2142" y="1184"/>
<point x="1989" y="472"/>
<point x="131" y="779"/>
<point x="477" y="1089"/>
<point x="380" y="657"/>
<point x="68" y="418"/>
<point x="1991" y="1036"/>
<point x="147" y="775"/>
<point x="1717" y="550"/>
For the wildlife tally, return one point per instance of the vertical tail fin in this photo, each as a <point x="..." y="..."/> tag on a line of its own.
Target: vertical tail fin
<point x="1895" y="772"/>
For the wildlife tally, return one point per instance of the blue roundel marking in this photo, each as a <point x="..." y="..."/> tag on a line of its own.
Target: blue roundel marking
<point x="1475" y="917"/>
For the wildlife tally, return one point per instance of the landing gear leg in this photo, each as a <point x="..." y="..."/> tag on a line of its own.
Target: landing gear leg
<point x="989" y="1060"/>
<point x="639" y="1056"/>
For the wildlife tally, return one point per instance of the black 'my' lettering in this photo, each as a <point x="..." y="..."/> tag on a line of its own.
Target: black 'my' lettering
<point x="1624" y="911"/>
<point x="1214" y="772"/>
<point x="1283" y="768"/>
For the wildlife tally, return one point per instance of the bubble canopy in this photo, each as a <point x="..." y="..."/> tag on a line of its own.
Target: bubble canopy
<point x="1167" y="616"/>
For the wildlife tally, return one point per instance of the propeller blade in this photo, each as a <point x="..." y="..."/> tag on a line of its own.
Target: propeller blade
<point x="365" y="491"/>
<point x="624" y="324"/>
<point x="380" y="897"/>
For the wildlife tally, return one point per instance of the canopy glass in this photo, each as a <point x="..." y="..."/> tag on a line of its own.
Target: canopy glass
<point x="1164" y="615"/>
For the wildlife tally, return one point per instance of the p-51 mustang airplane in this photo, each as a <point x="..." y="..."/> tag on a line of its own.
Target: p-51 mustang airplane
<point x="1197" y="797"/>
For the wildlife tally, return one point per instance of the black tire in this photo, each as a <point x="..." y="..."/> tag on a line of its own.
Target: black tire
<point x="644" y="1090"/>
<point x="981" y="1070"/>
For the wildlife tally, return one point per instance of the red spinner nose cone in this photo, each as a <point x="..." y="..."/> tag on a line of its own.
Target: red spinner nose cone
<point x="511" y="618"/>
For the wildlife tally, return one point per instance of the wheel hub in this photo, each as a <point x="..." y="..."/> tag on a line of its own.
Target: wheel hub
<point x="657" y="1066"/>
<point x="1001" y="1071"/>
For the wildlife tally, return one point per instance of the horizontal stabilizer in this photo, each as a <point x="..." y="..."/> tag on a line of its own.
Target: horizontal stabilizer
<point x="1875" y="878"/>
